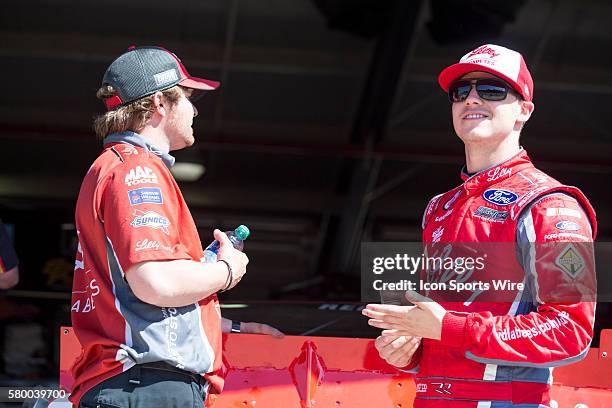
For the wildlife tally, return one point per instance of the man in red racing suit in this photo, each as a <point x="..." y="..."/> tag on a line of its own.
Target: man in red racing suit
<point x="479" y="350"/>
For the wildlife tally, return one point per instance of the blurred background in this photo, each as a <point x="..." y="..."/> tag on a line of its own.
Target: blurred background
<point x="329" y="130"/>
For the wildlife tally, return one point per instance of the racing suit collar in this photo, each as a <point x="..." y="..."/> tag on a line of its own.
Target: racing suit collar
<point x="495" y="173"/>
<point x="135" y="139"/>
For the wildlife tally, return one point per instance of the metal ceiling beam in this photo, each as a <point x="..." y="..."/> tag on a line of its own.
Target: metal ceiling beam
<point x="544" y="38"/>
<point x="369" y="128"/>
<point x="405" y="75"/>
<point x="219" y="100"/>
<point x="394" y="183"/>
<point x="225" y="64"/>
<point x="384" y="73"/>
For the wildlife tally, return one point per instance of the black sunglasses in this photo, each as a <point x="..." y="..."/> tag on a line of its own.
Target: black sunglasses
<point x="489" y="89"/>
<point x="196" y="94"/>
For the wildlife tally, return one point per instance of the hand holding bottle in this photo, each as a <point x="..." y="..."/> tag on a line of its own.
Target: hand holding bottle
<point x="236" y="259"/>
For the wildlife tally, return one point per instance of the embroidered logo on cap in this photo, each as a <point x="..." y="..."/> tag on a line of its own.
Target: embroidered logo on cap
<point x="165" y="77"/>
<point x="484" y="50"/>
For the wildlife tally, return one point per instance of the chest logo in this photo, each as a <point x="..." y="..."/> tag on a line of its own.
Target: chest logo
<point x="500" y="196"/>
<point x="498" y="172"/>
<point x="454" y="198"/>
<point x="491" y="214"/>
<point x="445" y="216"/>
<point x="437" y="234"/>
<point x="140" y="175"/>
<point x="152" y="195"/>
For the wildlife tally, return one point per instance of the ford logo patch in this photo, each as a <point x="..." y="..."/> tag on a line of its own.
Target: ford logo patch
<point x="567" y="226"/>
<point x="499" y="196"/>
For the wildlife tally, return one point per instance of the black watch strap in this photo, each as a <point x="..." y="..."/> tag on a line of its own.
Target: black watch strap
<point x="235" y="327"/>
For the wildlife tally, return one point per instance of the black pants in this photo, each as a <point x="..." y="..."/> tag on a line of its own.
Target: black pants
<point x="149" y="385"/>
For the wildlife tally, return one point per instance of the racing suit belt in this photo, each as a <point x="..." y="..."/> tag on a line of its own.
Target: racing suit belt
<point x="481" y="390"/>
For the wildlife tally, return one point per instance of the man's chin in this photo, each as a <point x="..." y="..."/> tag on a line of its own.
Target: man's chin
<point x="186" y="143"/>
<point x="475" y="135"/>
<point x="189" y="141"/>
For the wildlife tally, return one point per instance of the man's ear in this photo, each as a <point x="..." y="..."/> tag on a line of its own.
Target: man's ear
<point x="527" y="108"/>
<point x="158" y="103"/>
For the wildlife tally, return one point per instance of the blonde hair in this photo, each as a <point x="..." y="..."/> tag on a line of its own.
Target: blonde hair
<point x="133" y="116"/>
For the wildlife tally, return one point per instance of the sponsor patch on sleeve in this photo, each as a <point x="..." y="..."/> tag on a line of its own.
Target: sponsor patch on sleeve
<point x="150" y="219"/>
<point x="570" y="261"/>
<point x="567" y="226"/>
<point x="150" y="245"/>
<point x="147" y="195"/>
<point x="567" y="212"/>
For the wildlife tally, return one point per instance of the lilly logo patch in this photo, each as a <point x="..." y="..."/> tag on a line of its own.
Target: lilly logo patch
<point x="567" y="226"/>
<point x="500" y="196"/>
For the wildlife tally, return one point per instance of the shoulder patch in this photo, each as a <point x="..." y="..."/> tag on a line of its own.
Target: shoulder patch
<point x="563" y="211"/>
<point x="124" y="151"/>
<point x="558" y="217"/>
<point x="570" y="261"/>
<point x="117" y="153"/>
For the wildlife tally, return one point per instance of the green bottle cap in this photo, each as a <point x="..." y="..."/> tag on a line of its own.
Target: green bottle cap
<point x="242" y="232"/>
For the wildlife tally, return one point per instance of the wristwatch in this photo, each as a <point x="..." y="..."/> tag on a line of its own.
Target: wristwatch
<point x="235" y="327"/>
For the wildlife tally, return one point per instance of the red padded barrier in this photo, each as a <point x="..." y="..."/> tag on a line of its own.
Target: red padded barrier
<point x="308" y="372"/>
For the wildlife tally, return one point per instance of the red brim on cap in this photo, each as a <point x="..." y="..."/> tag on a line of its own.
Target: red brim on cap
<point x="200" y="83"/>
<point x="456" y="71"/>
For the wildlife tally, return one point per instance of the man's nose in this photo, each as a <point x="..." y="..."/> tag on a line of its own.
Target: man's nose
<point x="195" y="110"/>
<point x="473" y="96"/>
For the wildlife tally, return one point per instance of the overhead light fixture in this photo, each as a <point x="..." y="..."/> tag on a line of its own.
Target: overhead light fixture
<point x="188" y="165"/>
<point x="184" y="171"/>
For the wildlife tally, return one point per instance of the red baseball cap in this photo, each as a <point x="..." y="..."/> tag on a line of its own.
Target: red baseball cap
<point x="505" y="63"/>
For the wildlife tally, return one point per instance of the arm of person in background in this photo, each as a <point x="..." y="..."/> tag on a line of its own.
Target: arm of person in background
<point x="558" y="332"/>
<point x="9" y="278"/>
<point x="250" y="327"/>
<point x="182" y="282"/>
<point x="9" y="269"/>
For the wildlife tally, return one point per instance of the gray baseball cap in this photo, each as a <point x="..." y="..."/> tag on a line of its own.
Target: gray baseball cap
<point x="142" y="71"/>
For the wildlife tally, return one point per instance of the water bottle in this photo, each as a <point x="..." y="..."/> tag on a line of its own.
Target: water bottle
<point x="236" y="237"/>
